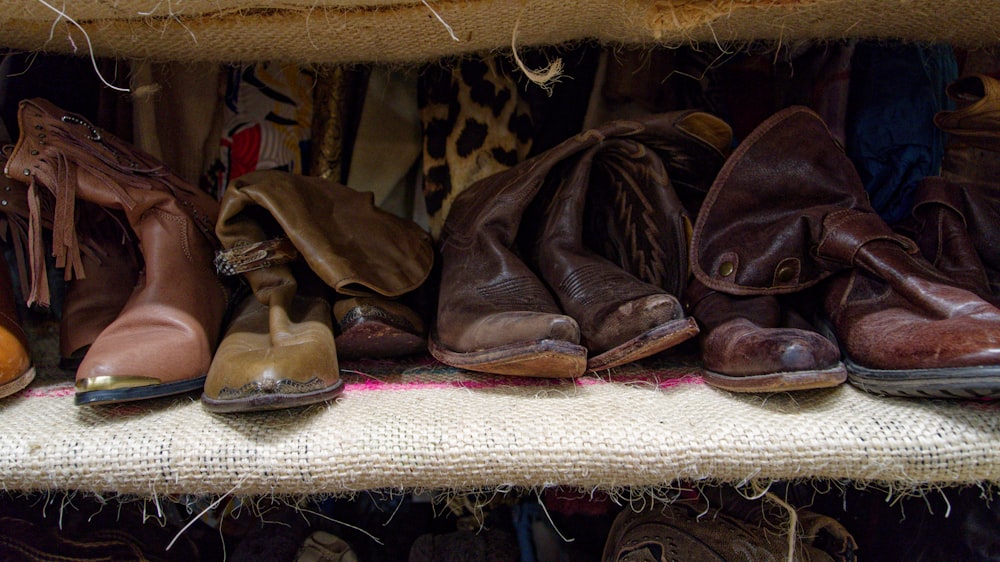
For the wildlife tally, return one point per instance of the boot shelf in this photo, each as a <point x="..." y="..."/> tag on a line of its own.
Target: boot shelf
<point x="418" y="425"/>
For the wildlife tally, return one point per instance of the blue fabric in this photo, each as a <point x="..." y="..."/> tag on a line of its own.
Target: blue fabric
<point x="895" y="91"/>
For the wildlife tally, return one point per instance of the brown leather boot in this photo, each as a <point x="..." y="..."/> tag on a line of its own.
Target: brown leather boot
<point x="16" y="371"/>
<point x="285" y="234"/>
<point x="163" y="340"/>
<point x="953" y="224"/>
<point x="494" y="313"/>
<point x="788" y="211"/>
<point x="754" y="344"/>
<point x="621" y="318"/>
<point x="109" y="257"/>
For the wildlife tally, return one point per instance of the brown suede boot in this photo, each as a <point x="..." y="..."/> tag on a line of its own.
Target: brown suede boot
<point x="788" y="211"/>
<point x="286" y="234"/>
<point x="163" y="340"/>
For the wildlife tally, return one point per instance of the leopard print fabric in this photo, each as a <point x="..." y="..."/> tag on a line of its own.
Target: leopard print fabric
<point x="475" y="124"/>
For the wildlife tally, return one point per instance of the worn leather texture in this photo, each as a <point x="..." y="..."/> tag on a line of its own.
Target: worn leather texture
<point x="280" y="350"/>
<point x="168" y="328"/>
<point x="15" y="359"/>
<point x="490" y="298"/>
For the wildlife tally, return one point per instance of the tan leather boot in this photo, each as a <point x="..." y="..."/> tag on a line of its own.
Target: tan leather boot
<point x="109" y="257"/>
<point x="163" y="340"/>
<point x="788" y="211"/>
<point x="16" y="371"/>
<point x="286" y="234"/>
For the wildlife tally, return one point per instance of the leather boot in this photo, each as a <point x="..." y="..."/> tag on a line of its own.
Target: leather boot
<point x="494" y="314"/>
<point x="282" y="232"/>
<point x="972" y="150"/>
<point x="787" y="212"/>
<point x="754" y="344"/>
<point x="954" y="226"/>
<point x="16" y="371"/>
<point x="621" y="318"/>
<point x="108" y="255"/>
<point x="163" y="340"/>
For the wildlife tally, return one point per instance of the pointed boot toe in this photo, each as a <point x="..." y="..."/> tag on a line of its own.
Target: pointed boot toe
<point x="639" y="328"/>
<point x="16" y="370"/>
<point x="742" y="356"/>
<point x="534" y="344"/>
<point x="377" y="328"/>
<point x="260" y="368"/>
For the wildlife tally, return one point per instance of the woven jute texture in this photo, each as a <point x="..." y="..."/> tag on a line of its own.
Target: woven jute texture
<point x="391" y="31"/>
<point x="422" y="426"/>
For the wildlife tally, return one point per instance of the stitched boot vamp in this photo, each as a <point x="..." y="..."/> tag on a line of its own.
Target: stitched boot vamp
<point x="274" y="357"/>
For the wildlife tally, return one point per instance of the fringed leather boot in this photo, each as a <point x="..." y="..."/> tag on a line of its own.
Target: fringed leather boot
<point x="788" y="212"/>
<point x="162" y="341"/>
<point x="108" y="254"/>
<point x="294" y="238"/>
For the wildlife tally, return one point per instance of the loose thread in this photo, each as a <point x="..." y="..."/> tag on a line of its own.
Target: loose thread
<point x="86" y="36"/>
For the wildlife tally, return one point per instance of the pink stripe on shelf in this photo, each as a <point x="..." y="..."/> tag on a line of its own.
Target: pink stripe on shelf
<point x="373" y="384"/>
<point x="48" y="392"/>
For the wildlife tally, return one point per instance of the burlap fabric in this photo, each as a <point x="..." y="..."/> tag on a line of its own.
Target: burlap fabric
<point x="421" y="425"/>
<point x="332" y="31"/>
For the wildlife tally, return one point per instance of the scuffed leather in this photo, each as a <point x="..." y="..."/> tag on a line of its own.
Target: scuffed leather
<point x="168" y="328"/>
<point x="14" y="351"/>
<point x="751" y="335"/>
<point x="785" y="211"/>
<point x="489" y="297"/>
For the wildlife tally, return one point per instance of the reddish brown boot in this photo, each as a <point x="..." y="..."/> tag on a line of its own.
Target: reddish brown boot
<point x="788" y="211"/>
<point x="163" y="340"/>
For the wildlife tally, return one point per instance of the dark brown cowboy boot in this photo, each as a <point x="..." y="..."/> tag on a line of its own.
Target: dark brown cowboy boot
<point x="754" y="344"/>
<point x="163" y="340"/>
<point x="494" y="313"/>
<point x="972" y="149"/>
<point x="621" y="318"/>
<point x="287" y="234"/>
<point x="788" y="211"/>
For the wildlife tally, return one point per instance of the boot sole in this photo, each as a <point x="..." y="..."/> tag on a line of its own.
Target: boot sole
<point x="648" y="343"/>
<point x="779" y="382"/>
<point x="542" y="358"/>
<point x="946" y="382"/>
<point x="373" y="339"/>
<point x="98" y="397"/>
<point x="264" y="402"/>
<point x="18" y="384"/>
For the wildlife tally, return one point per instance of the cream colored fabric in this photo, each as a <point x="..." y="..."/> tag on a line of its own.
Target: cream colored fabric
<point x="399" y="31"/>
<point x="420" y="425"/>
<point x="177" y="114"/>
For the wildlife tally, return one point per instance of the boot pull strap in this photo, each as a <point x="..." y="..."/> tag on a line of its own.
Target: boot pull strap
<point x="846" y="231"/>
<point x="258" y="255"/>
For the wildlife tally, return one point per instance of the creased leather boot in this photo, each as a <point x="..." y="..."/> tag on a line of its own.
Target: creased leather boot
<point x="621" y="318"/>
<point x="494" y="313"/>
<point x="16" y="371"/>
<point x="162" y="341"/>
<point x="108" y="256"/>
<point x="285" y="234"/>
<point x="955" y="225"/>
<point x="754" y="344"/>
<point x="972" y="150"/>
<point x="788" y="211"/>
